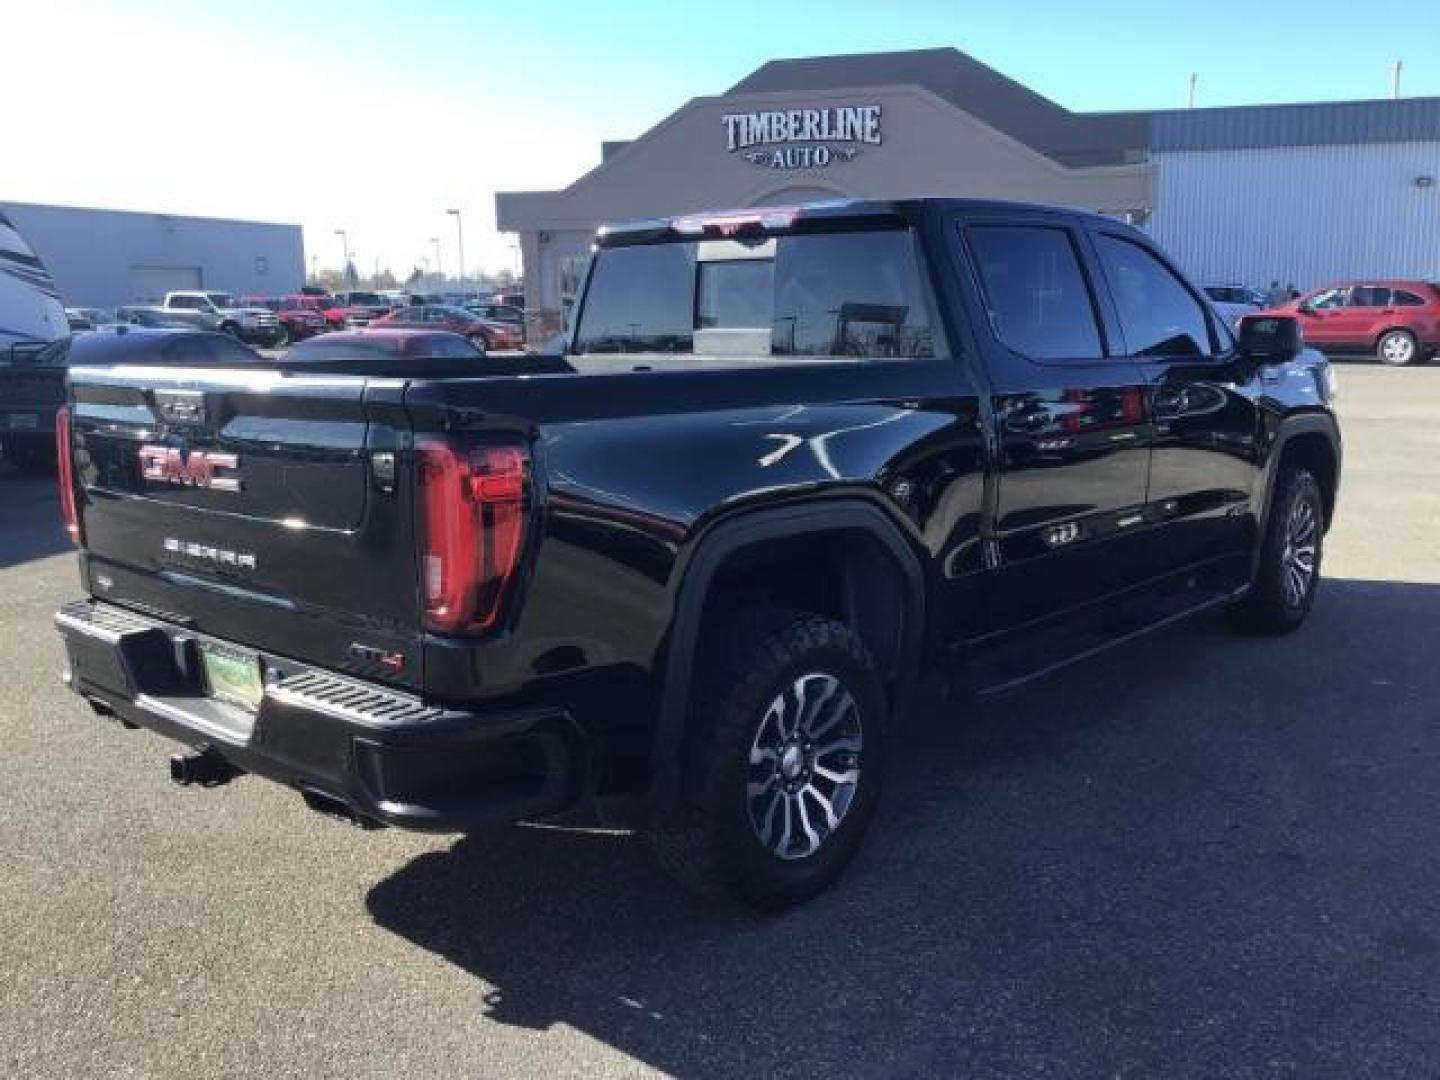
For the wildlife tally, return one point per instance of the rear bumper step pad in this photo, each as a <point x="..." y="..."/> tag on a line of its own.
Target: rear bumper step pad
<point x="388" y="756"/>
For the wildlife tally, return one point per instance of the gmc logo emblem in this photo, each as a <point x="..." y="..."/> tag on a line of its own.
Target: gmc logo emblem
<point x="170" y="465"/>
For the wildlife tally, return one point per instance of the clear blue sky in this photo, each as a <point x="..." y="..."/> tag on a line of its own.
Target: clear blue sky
<point x="376" y="116"/>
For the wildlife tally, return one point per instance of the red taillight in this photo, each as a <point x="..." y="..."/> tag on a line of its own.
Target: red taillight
<point x="65" y="473"/>
<point x="472" y="525"/>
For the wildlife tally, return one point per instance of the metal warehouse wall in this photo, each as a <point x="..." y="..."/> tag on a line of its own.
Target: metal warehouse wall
<point x="109" y="257"/>
<point x="1302" y="214"/>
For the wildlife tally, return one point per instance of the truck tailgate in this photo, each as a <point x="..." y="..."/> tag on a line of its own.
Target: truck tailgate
<point x="253" y="505"/>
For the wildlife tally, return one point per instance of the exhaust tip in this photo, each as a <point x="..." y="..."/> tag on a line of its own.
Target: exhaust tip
<point x="205" y="767"/>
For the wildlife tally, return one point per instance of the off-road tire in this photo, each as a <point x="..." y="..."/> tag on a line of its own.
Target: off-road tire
<point x="709" y="842"/>
<point x="1271" y="607"/>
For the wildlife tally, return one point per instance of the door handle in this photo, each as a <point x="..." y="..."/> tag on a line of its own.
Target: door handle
<point x="1028" y="420"/>
<point x="1171" y="403"/>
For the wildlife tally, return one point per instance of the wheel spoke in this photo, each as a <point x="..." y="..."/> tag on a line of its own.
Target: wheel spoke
<point x="832" y="819"/>
<point x="759" y="787"/>
<point x="849" y="776"/>
<point x="849" y="743"/>
<point x="810" y="715"/>
<point x="843" y="709"/>
<point x="810" y="833"/>
<point x="768" y="823"/>
<point x="789" y="730"/>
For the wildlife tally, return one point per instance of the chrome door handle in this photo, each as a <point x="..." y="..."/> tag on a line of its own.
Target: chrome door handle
<point x="1171" y="403"/>
<point x="1028" y="420"/>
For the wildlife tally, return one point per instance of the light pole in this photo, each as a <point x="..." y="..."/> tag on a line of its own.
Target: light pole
<point x="345" y="250"/>
<point x="439" y="266"/>
<point x="460" y="240"/>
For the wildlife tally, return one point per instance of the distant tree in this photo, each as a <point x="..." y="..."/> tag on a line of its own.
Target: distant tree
<point x="415" y="275"/>
<point x="352" y="276"/>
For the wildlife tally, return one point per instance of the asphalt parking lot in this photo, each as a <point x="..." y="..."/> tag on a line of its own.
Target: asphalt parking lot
<point x="1205" y="855"/>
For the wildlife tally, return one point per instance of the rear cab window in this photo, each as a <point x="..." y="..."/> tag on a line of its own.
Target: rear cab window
<point x="769" y="299"/>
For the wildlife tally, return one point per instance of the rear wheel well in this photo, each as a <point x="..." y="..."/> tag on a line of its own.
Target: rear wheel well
<point x="1314" y="453"/>
<point x="845" y="574"/>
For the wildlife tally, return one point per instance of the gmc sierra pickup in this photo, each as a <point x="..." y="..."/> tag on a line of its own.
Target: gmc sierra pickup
<point x="792" y="462"/>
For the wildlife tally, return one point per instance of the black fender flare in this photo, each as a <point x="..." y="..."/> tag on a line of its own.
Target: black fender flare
<point x="709" y="552"/>
<point x="1313" y="423"/>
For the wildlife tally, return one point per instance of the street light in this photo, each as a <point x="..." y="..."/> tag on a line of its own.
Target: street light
<point x="439" y="266"/>
<point x="345" y="246"/>
<point x="460" y="240"/>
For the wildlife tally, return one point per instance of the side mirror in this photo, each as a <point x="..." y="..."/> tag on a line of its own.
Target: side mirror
<point x="1271" y="339"/>
<point x="1304" y="308"/>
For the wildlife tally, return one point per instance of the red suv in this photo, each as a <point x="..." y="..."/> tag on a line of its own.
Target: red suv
<point x="1397" y="321"/>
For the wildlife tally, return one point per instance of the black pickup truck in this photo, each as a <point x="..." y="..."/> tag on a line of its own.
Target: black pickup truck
<point x="792" y="463"/>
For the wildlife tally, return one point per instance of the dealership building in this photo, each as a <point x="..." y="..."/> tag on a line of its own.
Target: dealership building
<point x="103" y="258"/>
<point x="1296" y="193"/>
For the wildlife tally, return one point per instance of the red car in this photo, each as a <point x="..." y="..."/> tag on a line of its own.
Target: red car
<point x="329" y="307"/>
<point x="298" y="323"/>
<point x="494" y="336"/>
<point x="1396" y="321"/>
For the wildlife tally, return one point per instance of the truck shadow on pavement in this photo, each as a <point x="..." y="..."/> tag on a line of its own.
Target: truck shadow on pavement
<point x="30" y="525"/>
<point x="1201" y="854"/>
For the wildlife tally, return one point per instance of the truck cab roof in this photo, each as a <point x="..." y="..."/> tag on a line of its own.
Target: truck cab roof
<point x="827" y="214"/>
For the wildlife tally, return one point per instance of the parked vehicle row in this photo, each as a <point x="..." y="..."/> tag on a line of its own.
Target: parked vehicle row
<point x="274" y="321"/>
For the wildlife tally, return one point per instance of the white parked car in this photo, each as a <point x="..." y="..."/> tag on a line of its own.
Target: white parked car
<point x="1234" y="301"/>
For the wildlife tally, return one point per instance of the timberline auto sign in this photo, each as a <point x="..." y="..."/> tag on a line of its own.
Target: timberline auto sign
<point x="802" y="138"/>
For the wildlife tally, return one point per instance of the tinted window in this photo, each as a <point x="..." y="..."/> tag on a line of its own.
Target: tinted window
<point x="1370" y="296"/>
<point x="1406" y="299"/>
<point x="833" y="294"/>
<point x="640" y="299"/>
<point x="1034" y="288"/>
<point x="1329" y="298"/>
<point x="1159" y="315"/>
<point x="850" y="294"/>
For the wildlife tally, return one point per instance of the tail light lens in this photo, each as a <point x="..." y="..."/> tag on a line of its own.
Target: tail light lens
<point x="473" y="501"/>
<point x="65" y="473"/>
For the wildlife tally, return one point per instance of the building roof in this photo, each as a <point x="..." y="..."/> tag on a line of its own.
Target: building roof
<point x="1321" y="123"/>
<point x="1080" y="139"/>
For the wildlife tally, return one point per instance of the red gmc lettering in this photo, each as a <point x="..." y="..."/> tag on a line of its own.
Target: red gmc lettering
<point x="167" y="465"/>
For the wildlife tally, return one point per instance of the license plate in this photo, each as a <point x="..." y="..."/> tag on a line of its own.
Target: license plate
<point x="232" y="675"/>
<point x="24" y="421"/>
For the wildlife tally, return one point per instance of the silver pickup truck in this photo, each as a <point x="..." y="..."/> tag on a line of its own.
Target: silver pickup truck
<point x="210" y="310"/>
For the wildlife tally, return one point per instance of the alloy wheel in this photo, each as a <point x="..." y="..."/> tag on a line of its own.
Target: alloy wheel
<point x="804" y="765"/>
<point x="1298" y="556"/>
<point x="1397" y="348"/>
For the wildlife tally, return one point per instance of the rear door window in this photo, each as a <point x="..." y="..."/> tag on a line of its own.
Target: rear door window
<point x="1402" y="298"/>
<point x="1158" y="314"/>
<point x="1371" y="296"/>
<point x="853" y="294"/>
<point x="1035" y="291"/>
